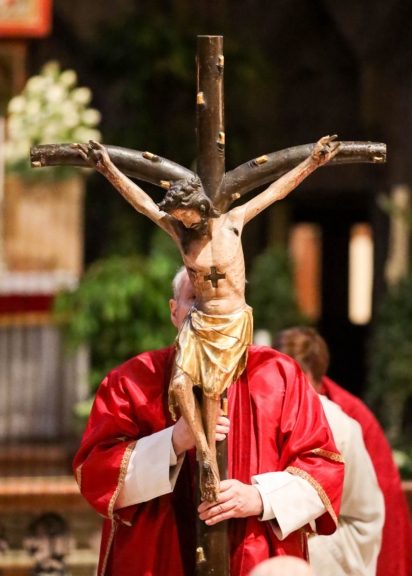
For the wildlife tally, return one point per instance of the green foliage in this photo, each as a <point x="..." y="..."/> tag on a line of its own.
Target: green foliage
<point x="120" y="307"/>
<point x="148" y="69"/>
<point x="390" y="359"/>
<point x="388" y="205"/>
<point x="270" y="292"/>
<point x="143" y="73"/>
<point x="403" y="459"/>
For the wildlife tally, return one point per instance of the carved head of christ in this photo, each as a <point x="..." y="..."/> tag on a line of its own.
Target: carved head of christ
<point x="187" y="201"/>
<point x="189" y="217"/>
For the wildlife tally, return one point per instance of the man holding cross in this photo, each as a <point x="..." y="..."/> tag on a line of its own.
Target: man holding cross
<point x="213" y="340"/>
<point x="136" y="467"/>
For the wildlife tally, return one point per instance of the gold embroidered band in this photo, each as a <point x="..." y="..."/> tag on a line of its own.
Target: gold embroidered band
<point x="335" y="456"/>
<point x="122" y="475"/>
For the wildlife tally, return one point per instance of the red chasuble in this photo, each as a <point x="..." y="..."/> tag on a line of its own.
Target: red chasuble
<point x="277" y="423"/>
<point x="395" y="558"/>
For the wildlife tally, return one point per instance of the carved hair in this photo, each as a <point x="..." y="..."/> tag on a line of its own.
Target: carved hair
<point x="188" y="193"/>
<point x="307" y="347"/>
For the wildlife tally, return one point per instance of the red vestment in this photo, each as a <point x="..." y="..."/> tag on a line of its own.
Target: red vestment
<point x="277" y="423"/>
<point x="395" y="558"/>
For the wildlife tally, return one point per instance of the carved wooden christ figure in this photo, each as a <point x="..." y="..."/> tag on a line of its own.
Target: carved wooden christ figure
<point x="211" y="347"/>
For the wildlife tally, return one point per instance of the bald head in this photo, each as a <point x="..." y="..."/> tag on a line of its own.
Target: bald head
<point x="183" y="297"/>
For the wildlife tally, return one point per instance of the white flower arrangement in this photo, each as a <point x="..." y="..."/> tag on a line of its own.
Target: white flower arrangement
<point x="51" y="109"/>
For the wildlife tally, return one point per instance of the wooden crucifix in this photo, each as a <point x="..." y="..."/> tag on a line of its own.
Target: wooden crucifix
<point x="196" y="212"/>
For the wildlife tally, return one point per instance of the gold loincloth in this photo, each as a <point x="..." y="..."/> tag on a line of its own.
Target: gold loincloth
<point x="212" y="350"/>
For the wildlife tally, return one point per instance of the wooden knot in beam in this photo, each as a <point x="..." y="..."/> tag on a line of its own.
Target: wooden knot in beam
<point x="150" y="156"/>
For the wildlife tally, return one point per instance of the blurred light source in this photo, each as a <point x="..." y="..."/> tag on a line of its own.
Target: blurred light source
<point x="305" y="245"/>
<point x="262" y="338"/>
<point x="360" y="274"/>
<point x="397" y="264"/>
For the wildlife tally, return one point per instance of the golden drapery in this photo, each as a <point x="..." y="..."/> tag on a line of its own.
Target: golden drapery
<point x="212" y="349"/>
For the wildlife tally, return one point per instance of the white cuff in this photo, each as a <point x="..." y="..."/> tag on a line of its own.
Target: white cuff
<point x="290" y="499"/>
<point x="172" y="455"/>
<point x="152" y="470"/>
<point x="267" y="513"/>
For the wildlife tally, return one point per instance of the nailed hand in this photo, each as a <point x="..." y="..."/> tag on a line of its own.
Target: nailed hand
<point x="325" y="149"/>
<point x="94" y="153"/>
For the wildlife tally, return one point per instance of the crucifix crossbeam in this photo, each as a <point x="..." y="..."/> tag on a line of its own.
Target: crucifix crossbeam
<point x="149" y="167"/>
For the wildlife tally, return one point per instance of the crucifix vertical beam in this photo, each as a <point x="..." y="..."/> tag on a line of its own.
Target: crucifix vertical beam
<point x="212" y="548"/>
<point x="210" y="113"/>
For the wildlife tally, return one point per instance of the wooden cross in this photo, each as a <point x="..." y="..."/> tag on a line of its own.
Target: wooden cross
<point x="223" y="188"/>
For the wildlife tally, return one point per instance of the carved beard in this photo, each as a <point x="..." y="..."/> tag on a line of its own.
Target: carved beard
<point x="189" y="235"/>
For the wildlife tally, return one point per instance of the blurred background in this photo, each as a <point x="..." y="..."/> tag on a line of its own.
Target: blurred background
<point x="84" y="280"/>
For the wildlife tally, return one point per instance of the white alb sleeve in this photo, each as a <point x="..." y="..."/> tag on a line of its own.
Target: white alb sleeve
<point x="355" y="545"/>
<point x="152" y="470"/>
<point x="289" y="499"/>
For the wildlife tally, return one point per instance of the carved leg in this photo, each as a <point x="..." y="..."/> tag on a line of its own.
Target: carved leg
<point x="210" y="413"/>
<point x="181" y="392"/>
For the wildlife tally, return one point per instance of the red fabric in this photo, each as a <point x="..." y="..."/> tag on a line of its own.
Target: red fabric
<point x="395" y="558"/>
<point x="19" y="303"/>
<point x="276" y="422"/>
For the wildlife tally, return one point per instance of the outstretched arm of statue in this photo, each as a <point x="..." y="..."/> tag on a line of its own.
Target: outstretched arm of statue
<point x="96" y="155"/>
<point x="324" y="150"/>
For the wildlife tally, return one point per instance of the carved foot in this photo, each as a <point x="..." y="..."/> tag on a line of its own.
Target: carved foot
<point x="209" y="481"/>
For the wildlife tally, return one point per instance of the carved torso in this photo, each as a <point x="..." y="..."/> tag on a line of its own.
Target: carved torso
<point x="216" y="265"/>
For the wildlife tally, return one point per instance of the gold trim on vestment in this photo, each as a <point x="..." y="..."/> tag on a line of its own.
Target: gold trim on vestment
<point x="335" y="456"/>
<point x="79" y="476"/>
<point x="108" y="547"/>
<point x="123" y="469"/>
<point x="322" y="494"/>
